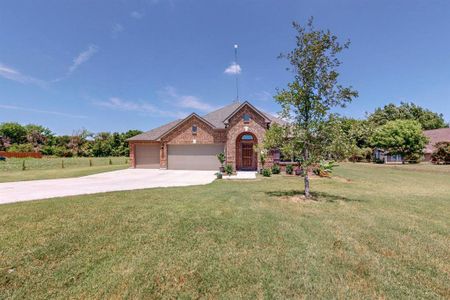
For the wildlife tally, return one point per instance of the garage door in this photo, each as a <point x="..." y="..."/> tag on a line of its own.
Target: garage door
<point x="147" y="156"/>
<point x="194" y="157"/>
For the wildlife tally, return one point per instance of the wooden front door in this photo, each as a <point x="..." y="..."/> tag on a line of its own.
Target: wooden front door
<point x="247" y="156"/>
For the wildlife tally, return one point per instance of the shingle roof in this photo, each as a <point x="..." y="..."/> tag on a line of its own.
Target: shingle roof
<point x="435" y="136"/>
<point x="216" y="118"/>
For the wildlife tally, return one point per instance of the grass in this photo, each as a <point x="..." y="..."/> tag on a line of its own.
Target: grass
<point x="375" y="232"/>
<point x="50" y="168"/>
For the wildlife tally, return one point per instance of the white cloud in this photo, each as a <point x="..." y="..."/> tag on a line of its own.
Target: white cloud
<point x="136" y="15"/>
<point x="116" y="29"/>
<point x="14" y="75"/>
<point x="57" y="113"/>
<point x="116" y="103"/>
<point x="185" y="101"/>
<point x="232" y="69"/>
<point x="83" y="57"/>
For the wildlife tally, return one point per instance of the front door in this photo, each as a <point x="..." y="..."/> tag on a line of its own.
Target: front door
<point x="247" y="156"/>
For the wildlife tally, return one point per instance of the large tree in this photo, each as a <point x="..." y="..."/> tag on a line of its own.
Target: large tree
<point x="404" y="137"/>
<point x="307" y="100"/>
<point x="407" y="111"/>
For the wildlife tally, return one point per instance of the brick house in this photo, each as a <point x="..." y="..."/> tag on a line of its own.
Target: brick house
<point x="435" y="136"/>
<point x="192" y="143"/>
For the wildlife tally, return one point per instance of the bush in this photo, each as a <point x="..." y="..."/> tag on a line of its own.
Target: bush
<point x="21" y="148"/>
<point x="219" y="175"/>
<point x="266" y="172"/>
<point x="229" y="169"/>
<point x="289" y="169"/>
<point x="275" y="169"/>
<point x="324" y="168"/>
<point x="442" y="153"/>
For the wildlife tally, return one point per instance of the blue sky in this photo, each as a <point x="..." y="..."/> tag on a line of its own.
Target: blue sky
<point x="118" y="65"/>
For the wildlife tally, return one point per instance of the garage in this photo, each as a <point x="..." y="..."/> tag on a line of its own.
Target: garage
<point x="147" y="156"/>
<point x="194" y="157"/>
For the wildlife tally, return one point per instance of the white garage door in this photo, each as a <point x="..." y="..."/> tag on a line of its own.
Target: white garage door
<point x="194" y="157"/>
<point x="147" y="156"/>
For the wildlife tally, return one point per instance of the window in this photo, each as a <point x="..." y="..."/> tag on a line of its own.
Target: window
<point x="246" y="118"/>
<point x="247" y="137"/>
<point x="194" y="129"/>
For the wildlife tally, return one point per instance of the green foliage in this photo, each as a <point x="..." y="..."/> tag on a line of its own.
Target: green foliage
<point x="324" y="168"/>
<point x="15" y="137"/>
<point x="218" y="175"/>
<point x="441" y="155"/>
<point x="21" y="148"/>
<point x="221" y="158"/>
<point x="16" y="133"/>
<point x="404" y="137"/>
<point x="289" y="169"/>
<point x="229" y="169"/>
<point x="266" y="173"/>
<point x="308" y="99"/>
<point x="276" y="169"/>
<point x="407" y="111"/>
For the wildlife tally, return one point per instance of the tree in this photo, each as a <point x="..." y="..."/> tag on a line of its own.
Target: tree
<point x="37" y="136"/>
<point x="402" y="137"/>
<point x="407" y="111"/>
<point x="16" y="133"/>
<point x="308" y="99"/>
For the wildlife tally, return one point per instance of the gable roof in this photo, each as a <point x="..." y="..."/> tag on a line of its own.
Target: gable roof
<point x="436" y="136"/>
<point x="215" y="118"/>
<point x="245" y="103"/>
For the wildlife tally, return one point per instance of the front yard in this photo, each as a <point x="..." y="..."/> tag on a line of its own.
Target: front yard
<point x="376" y="232"/>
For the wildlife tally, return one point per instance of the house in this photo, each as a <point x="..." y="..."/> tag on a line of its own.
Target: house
<point x="381" y="156"/>
<point x="435" y="136"/>
<point x="193" y="143"/>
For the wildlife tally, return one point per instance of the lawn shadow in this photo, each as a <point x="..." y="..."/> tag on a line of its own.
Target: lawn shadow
<point x="317" y="196"/>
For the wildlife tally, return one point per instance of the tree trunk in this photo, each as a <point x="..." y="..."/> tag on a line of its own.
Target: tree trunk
<point x="307" y="193"/>
<point x="306" y="159"/>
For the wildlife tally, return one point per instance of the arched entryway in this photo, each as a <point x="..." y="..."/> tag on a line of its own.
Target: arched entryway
<point x="246" y="158"/>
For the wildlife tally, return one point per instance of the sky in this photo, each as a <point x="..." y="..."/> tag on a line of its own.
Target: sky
<point x="115" y="65"/>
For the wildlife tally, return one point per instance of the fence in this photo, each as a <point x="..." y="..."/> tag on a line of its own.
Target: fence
<point x="21" y="154"/>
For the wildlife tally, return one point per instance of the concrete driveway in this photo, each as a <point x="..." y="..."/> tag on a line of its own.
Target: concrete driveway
<point x="128" y="179"/>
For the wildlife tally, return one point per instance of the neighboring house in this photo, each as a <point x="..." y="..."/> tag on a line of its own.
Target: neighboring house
<point x="383" y="156"/>
<point x="435" y="136"/>
<point x="192" y="143"/>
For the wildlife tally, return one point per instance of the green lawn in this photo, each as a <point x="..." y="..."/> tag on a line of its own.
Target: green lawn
<point x="375" y="232"/>
<point x="50" y="168"/>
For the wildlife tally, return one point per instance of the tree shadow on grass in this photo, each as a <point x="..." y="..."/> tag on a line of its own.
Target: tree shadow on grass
<point x="316" y="196"/>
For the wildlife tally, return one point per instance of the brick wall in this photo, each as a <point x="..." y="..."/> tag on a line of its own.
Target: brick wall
<point x="205" y="134"/>
<point x="256" y="126"/>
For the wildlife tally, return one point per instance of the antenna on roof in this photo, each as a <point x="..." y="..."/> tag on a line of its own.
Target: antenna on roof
<point x="237" y="69"/>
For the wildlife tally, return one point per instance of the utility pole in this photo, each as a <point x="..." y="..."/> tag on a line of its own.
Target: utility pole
<point x="236" y="71"/>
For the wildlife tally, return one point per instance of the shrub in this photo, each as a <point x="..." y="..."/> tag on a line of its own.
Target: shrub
<point x="219" y="175"/>
<point x="289" y="169"/>
<point x="266" y="173"/>
<point x="442" y="153"/>
<point x="324" y="168"/>
<point x="221" y="158"/>
<point x="229" y="169"/>
<point x="21" y="148"/>
<point x="275" y="169"/>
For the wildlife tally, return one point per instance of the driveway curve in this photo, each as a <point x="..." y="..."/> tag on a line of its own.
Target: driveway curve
<point x="128" y="179"/>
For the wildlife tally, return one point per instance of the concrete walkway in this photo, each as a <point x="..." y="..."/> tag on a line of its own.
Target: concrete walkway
<point x="128" y="179"/>
<point x="241" y="175"/>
